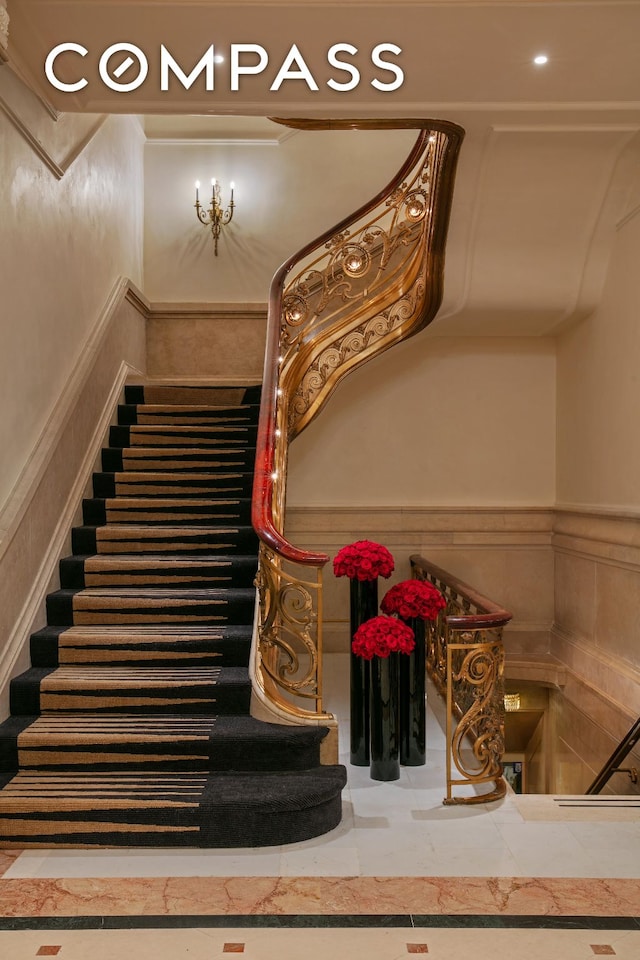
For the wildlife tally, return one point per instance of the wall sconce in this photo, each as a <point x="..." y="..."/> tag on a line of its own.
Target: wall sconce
<point x="511" y="702"/>
<point x="214" y="217"/>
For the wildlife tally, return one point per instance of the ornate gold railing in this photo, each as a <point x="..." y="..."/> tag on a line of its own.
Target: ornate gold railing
<point x="465" y="659"/>
<point x="372" y="280"/>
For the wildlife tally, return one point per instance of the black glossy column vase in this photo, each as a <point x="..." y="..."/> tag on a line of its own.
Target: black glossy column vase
<point x="385" y="718"/>
<point x="364" y="606"/>
<point x="413" y="742"/>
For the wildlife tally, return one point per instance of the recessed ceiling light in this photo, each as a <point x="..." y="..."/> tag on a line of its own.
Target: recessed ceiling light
<point x="541" y="59"/>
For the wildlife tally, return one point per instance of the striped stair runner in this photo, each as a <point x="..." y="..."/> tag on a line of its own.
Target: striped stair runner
<point x="132" y="726"/>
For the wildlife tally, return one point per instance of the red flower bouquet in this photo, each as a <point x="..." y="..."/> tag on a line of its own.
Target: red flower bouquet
<point x="413" y="598"/>
<point x="382" y="636"/>
<point x="363" y="560"/>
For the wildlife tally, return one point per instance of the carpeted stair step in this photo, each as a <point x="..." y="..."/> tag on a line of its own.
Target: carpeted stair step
<point x="176" y="484"/>
<point x="102" y="689"/>
<point x="227" y="809"/>
<point x="187" y="415"/>
<point x="167" y="742"/>
<point x="77" y="572"/>
<point x="133" y="725"/>
<point x="199" y="511"/>
<point x="229" y="437"/>
<point x="172" y="459"/>
<point x="160" y="645"/>
<point x="150" y="605"/>
<point x="178" y="541"/>
<point x="181" y="395"/>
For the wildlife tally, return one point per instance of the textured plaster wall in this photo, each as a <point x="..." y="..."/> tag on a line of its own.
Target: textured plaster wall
<point x="436" y="422"/>
<point x="63" y="244"/>
<point x="286" y="195"/>
<point x="599" y="390"/>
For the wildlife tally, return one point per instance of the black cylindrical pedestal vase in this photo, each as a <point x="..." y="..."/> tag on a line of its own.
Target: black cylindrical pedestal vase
<point x="364" y="606"/>
<point x="413" y="743"/>
<point x="385" y="719"/>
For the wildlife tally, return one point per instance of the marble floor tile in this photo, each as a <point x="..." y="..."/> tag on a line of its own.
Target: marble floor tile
<point x="318" y="943"/>
<point x="391" y="829"/>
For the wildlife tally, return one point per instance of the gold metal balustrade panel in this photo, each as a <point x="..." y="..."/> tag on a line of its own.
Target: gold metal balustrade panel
<point x="465" y="659"/>
<point x="372" y="281"/>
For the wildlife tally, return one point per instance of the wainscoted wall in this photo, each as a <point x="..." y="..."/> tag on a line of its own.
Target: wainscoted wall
<point x="71" y="210"/>
<point x="192" y="341"/>
<point x="596" y="632"/>
<point x="36" y="520"/>
<point x="504" y="553"/>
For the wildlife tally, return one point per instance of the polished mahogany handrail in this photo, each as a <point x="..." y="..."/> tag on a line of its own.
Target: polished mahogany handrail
<point x="268" y="438"/>
<point x="492" y="615"/>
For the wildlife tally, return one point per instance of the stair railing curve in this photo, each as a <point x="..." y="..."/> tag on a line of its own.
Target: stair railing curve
<point x="465" y="660"/>
<point x="373" y="280"/>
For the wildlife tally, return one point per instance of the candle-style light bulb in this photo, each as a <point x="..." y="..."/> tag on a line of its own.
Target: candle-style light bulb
<point x="197" y="188"/>
<point x="233" y="186"/>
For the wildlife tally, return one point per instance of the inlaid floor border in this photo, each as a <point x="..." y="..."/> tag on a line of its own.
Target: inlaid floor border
<point x="416" y="900"/>
<point x="339" y="921"/>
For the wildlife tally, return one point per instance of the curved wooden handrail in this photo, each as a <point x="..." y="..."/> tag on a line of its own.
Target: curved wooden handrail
<point x="272" y="440"/>
<point x="492" y="615"/>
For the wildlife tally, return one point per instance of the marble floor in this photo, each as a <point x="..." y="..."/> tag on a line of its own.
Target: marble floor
<point x="541" y="877"/>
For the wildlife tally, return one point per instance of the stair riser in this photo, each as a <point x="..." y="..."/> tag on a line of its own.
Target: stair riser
<point x="130" y="414"/>
<point x="106" y="540"/>
<point x="236" y="485"/>
<point x="194" y="699"/>
<point x="63" y="611"/>
<point x="236" y="436"/>
<point x="190" y="827"/>
<point x="152" y="753"/>
<point x="181" y="395"/>
<point x="221" y="647"/>
<point x="79" y="572"/>
<point x="224" y="655"/>
<point x="172" y="460"/>
<point x="98" y="511"/>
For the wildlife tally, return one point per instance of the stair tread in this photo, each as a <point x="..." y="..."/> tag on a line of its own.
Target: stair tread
<point x="173" y="502"/>
<point x="37" y="790"/>
<point x="116" y="727"/>
<point x="69" y="673"/>
<point x="145" y="528"/>
<point x="206" y="407"/>
<point x="200" y="593"/>
<point x="160" y="630"/>
<point x="182" y="449"/>
<point x="217" y="560"/>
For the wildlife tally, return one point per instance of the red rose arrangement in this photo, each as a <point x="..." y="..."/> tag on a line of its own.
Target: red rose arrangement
<point x="381" y="636"/>
<point x="413" y="598"/>
<point x="363" y="560"/>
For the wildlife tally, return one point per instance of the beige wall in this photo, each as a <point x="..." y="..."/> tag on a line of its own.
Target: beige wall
<point x="70" y="228"/>
<point x="63" y="244"/>
<point x="599" y="390"/>
<point x="438" y="422"/>
<point x="597" y="526"/>
<point x="285" y="195"/>
<point x="505" y="553"/>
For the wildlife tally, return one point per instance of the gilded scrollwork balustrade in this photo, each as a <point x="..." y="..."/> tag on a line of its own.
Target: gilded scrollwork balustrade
<point x="290" y="631"/>
<point x="465" y="659"/>
<point x="371" y="281"/>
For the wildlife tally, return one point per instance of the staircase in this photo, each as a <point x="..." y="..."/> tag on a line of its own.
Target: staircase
<point x="132" y="727"/>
